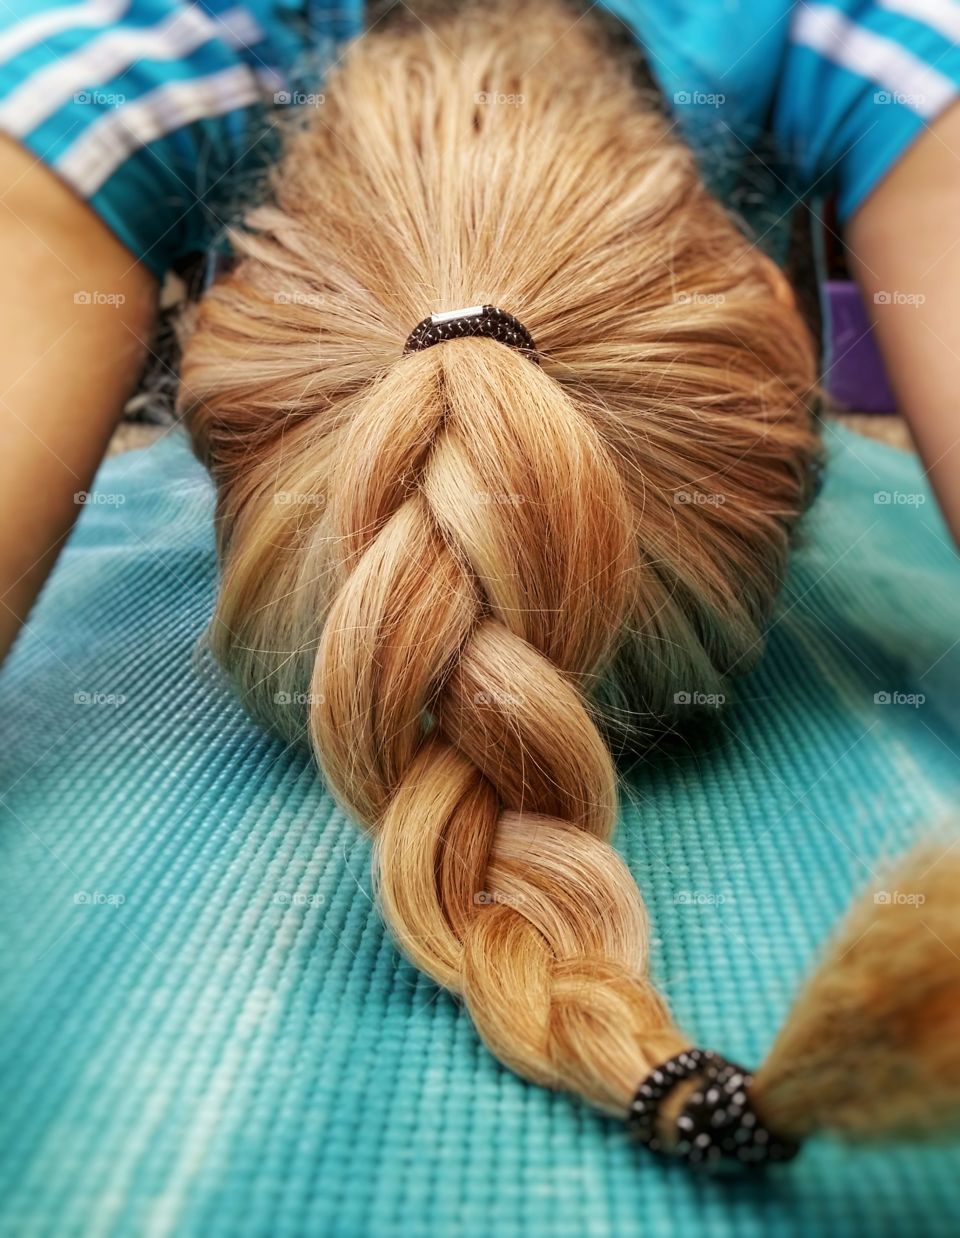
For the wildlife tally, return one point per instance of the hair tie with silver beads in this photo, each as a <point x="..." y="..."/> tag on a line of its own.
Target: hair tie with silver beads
<point x="718" y="1126"/>
<point x="476" y="320"/>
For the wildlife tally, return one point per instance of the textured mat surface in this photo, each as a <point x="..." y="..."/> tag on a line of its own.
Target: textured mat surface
<point x="205" y="1030"/>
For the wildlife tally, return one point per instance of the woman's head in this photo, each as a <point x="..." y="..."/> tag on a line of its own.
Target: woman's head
<point x="456" y="570"/>
<point x="627" y="505"/>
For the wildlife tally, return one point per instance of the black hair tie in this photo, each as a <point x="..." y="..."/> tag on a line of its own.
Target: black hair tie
<point x="476" y="320"/>
<point x="718" y="1125"/>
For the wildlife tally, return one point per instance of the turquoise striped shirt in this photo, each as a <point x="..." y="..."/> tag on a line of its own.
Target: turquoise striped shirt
<point x="155" y="110"/>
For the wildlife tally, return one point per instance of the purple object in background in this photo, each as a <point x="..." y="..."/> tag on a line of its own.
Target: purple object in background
<point x="855" y="375"/>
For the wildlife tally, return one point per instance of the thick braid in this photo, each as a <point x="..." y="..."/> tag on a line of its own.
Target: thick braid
<point x="449" y="570"/>
<point x="486" y="610"/>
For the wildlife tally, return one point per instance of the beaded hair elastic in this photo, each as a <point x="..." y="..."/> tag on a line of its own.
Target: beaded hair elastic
<point x="486" y="321"/>
<point x="717" y="1126"/>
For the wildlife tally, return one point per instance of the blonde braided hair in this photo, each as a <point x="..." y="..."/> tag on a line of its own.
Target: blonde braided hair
<point x="456" y="570"/>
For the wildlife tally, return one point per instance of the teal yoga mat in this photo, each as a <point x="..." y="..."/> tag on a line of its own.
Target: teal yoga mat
<point x="204" y="1029"/>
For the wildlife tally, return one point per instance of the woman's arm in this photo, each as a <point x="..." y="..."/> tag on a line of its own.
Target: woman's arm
<point x="904" y="245"/>
<point x="74" y="309"/>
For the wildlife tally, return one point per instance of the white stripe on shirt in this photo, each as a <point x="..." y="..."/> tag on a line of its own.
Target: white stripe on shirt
<point x="116" y="135"/>
<point x="43" y="26"/>
<point x="940" y="15"/>
<point x="115" y="51"/>
<point x="882" y="60"/>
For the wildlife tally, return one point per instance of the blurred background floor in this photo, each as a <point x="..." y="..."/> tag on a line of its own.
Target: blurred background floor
<point x="887" y="429"/>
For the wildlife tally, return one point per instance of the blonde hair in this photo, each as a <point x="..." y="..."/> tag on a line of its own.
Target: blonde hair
<point x="465" y="575"/>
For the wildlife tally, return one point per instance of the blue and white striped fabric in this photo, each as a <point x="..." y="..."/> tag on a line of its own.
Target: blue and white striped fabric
<point x="824" y="96"/>
<point x="153" y="109"/>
